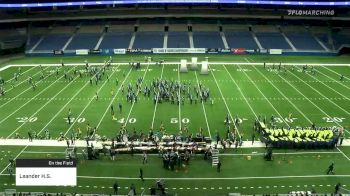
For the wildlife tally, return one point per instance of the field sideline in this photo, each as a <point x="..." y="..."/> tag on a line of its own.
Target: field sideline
<point x="245" y="90"/>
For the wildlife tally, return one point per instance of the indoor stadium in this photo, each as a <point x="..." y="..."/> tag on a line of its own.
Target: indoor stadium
<point x="174" y="97"/>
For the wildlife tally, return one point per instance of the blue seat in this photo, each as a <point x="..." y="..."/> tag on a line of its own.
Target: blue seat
<point x="148" y="40"/>
<point x="84" y="41"/>
<point x="272" y="40"/>
<point x="240" y="40"/>
<point x="304" y="41"/>
<point x="178" y="40"/>
<point x="207" y="39"/>
<point x="33" y="40"/>
<point x="53" y="42"/>
<point x="116" y="40"/>
<point x="324" y="39"/>
<point x="340" y="39"/>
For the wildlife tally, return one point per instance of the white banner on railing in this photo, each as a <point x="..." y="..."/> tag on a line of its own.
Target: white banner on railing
<point x="81" y="52"/>
<point x="275" y="51"/>
<point x="178" y="50"/>
<point x="119" y="51"/>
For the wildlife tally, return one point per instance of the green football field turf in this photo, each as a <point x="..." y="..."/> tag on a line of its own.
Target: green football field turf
<point x="290" y="170"/>
<point x="246" y="91"/>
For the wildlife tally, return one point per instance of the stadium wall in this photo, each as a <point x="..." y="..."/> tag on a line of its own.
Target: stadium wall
<point x="233" y="51"/>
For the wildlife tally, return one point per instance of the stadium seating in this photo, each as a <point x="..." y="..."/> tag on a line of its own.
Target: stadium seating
<point x="147" y="40"/>
<point x="324" y="38"/>
<point x="113" y="40"/>
<point x="240" y="40"/>
<point x="339" y="39"/>
<point x="207" y="39"/>
<point x="84" y="41"/>
<point x="53" y="42"/>
<point x="272" y="40"/>
<point x="205" y="34"/>
<point x="12" y="38"/>
<point x="178" y="40"/>
<point x="32" y="41"/>
<point x="304" y="41"/>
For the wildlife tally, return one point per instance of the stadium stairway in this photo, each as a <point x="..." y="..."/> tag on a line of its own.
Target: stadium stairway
<point x="223" y="37"/>
<point x="36" y="45"/>
<point x="165" y="41"/>
<point x="214" y="157"/>
<point x="288" y="41"/>
<point x="132" y="40"/>
<point x="257" y="41"/>
<point x="100" y="41"/>
<point x="190" y="35"/>
<point x="69" y="40"/>
<point x="320" y="42"/>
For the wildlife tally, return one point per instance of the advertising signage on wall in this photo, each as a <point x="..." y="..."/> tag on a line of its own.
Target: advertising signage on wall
<point x="57" y="3"/>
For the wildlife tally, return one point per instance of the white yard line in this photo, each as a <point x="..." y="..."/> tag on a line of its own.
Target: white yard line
<point x="348" y="113"/>
<point x="57" y="113"/>
<point x="111" y="102"/>
<point x="306" y="99"/>
<point x="87" y="105"/>
<point x="260" y="93"/>
<point x="5" y="67"/>
<point x="302" y="113"/>
<point x="12" y="78"/>
<point x="217" y="178"/>
<point x="239" y="89"/>
<point x="299" y="93"/>
<point x="205" y="113"/>
<point x="228" y="109"/>
<point x="227" y="178"/>
<point x="29" y="88"/>
<point x="334" y="71"/>
<point x="343" y="154"/>
<point x="43" y="106"/>
<point x="155" y="107"/>
<point x="31" y="100"/>
<point x="14" y="159"/>
<point x="337" y="81"/>
<point x="25" y="80"/>
<point x="63" y="107"/>
<point x="326" y="85"/>
<point x="178" y="79"/>
<point x="137" y="93"/>
<point x="265" y="98"/>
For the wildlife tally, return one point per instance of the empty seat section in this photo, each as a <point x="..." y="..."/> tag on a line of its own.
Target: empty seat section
<point x="178" y="40"/>
<point x="304" y="41"/>
<point x="340" y="39"/>
<point x="113" y="40"/>
<point x="84" y="41"/>
<point x="148" y="40"/>
<point x="32" y="41"/>
<point x="240" y="40"/>
<point x="272" y="40"/>
<point x="323" y="37"/>
<point x="53" y="42"/>
<point x="207" y="40"/>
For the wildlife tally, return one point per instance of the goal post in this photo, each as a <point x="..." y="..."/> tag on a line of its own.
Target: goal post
<point x="204" y="68"/>
<point x="183" y="65"/>
<point x="194" y="65"/>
